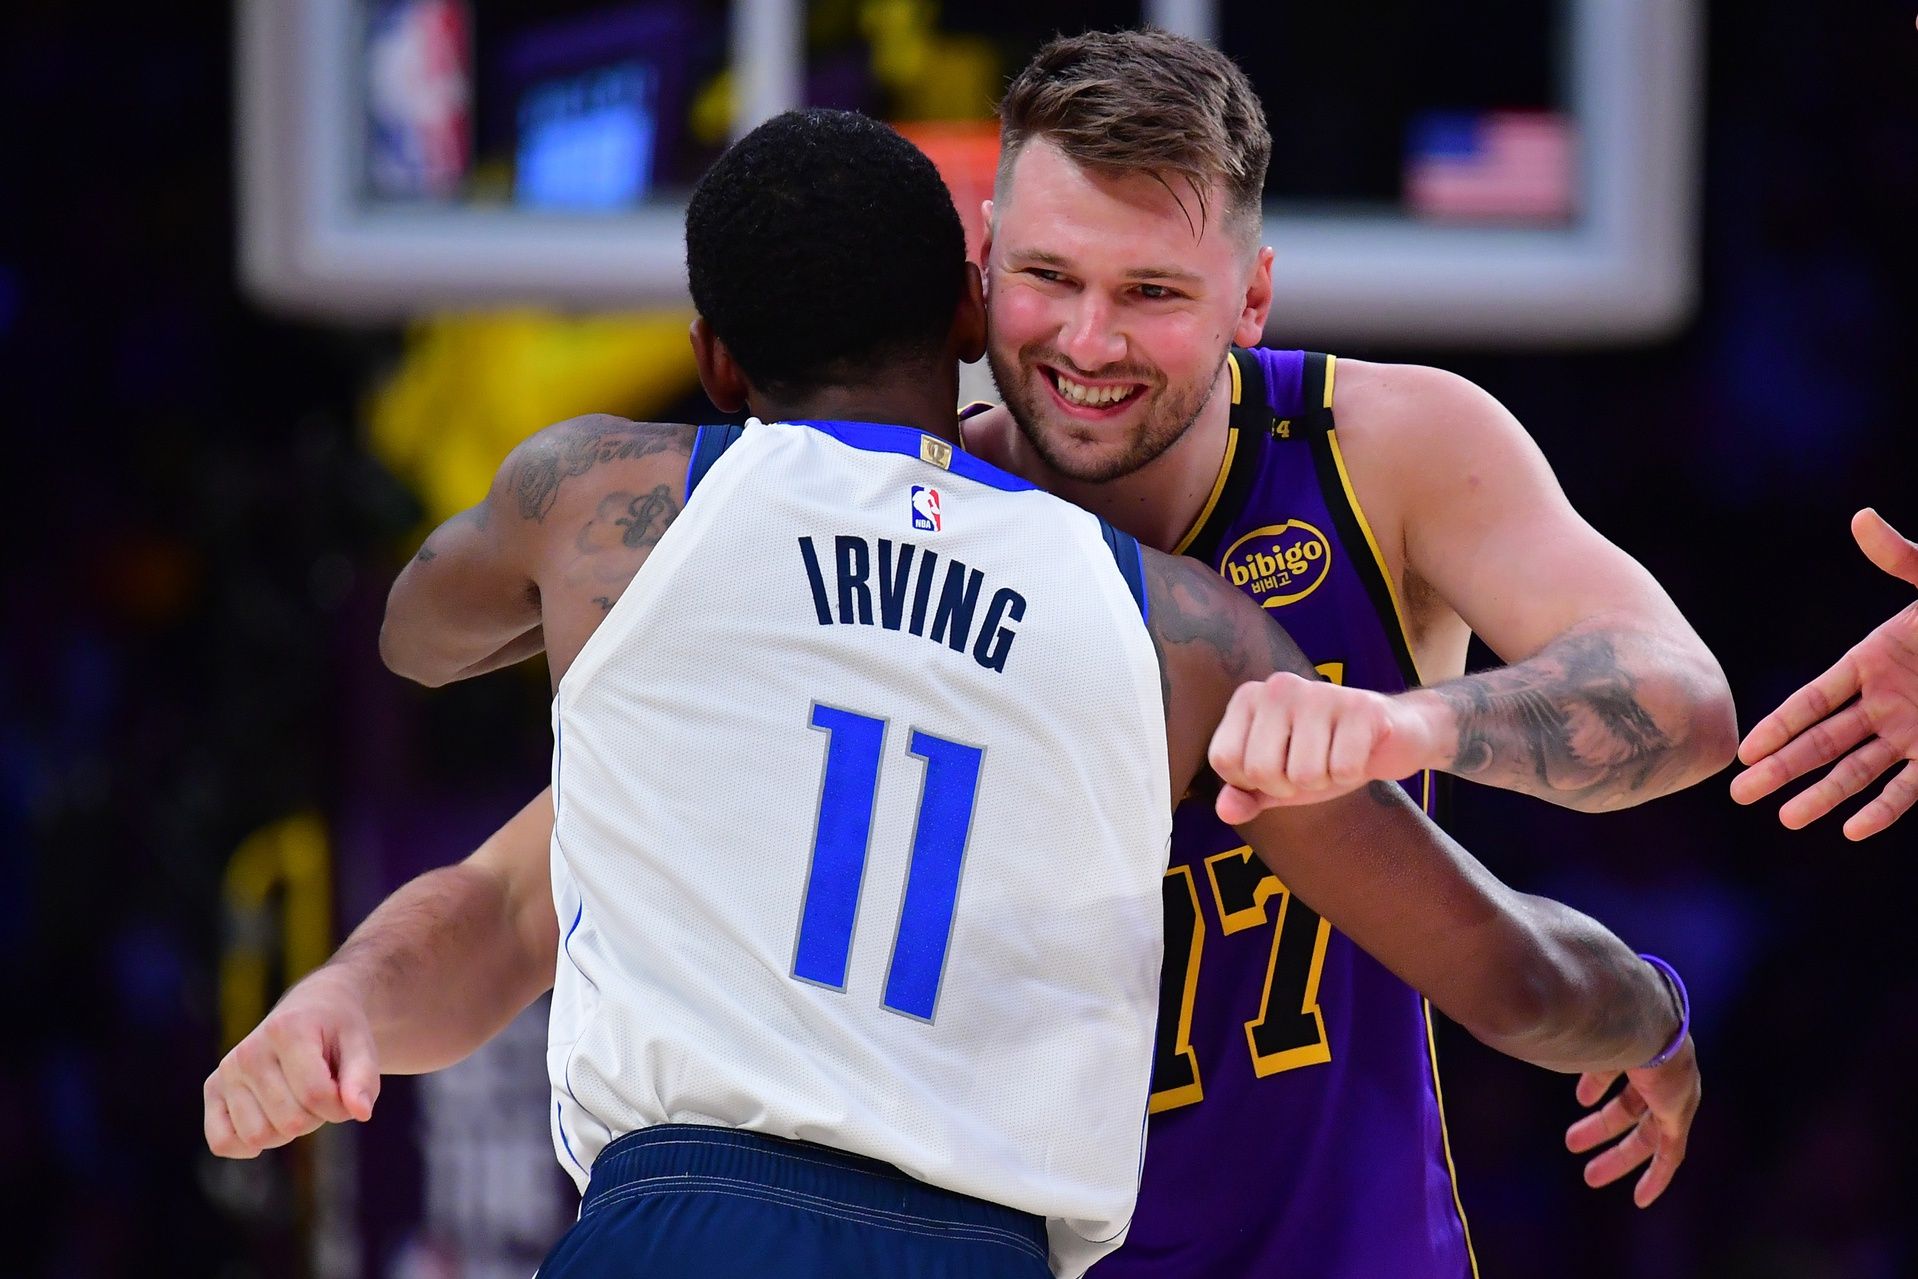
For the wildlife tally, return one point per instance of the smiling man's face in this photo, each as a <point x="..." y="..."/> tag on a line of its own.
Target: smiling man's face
<point x="1111" y="302"/>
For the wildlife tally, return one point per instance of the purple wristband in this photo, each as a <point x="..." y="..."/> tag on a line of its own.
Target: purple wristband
<point x="1676" y="984"/>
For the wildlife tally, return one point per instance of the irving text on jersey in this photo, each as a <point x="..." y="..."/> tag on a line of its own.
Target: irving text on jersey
<point x="897" y="585"/>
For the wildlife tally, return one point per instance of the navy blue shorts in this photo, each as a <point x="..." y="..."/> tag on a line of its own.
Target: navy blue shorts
<point x="719" y="1203"/>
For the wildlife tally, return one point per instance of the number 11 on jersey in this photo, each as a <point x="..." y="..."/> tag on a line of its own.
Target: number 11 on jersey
<point x="847" y="796"/>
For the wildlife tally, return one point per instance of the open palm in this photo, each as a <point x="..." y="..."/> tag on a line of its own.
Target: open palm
<point x="1865" y="708"/>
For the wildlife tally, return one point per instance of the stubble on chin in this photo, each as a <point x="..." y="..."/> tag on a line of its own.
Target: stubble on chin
<point x="1088" y="462"/>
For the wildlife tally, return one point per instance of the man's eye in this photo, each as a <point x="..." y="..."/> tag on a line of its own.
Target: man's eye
<point x="1155" y="292"/>
<point x="1050" y="277"/>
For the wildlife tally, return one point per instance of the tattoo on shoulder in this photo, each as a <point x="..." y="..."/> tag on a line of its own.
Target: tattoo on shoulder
<point x="605" y="603"/>
<point x="640" y="518"/>
<point x="575" y="448"/>
<point x="426" y="553"/>
<point x="648" y="517"/>
<point x="1185" y="611"/>
<point x="1193" y="605"/>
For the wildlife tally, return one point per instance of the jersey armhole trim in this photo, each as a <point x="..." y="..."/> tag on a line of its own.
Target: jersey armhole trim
<point x="708" y="444"/>
<point x="1247" y="428"/>
<point x="1131" y="562"/>
<point x="1349" y="518"/>
<point x="1445" y="1139"/>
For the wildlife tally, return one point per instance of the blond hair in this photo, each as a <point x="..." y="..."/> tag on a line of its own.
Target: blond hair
<point x="1143" y="101"/>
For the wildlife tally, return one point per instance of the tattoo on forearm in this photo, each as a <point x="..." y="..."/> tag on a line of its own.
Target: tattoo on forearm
<point x="537" y="476"/>
<point x="605" y="603"/>
<point x="1568" y="724"/>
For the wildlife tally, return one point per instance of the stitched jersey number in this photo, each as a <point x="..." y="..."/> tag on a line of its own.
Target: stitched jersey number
<point x="1289" y="1031"/>
<point x="840" y="840"/>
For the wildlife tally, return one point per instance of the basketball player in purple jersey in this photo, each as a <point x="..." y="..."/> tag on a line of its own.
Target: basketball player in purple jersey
<point x="1384" y="513"/>
<point x="1528" y="976"/>
<point x="1297" y="1127"/>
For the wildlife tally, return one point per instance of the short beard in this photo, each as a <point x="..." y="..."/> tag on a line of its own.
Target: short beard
<point x="1165" y="424"/>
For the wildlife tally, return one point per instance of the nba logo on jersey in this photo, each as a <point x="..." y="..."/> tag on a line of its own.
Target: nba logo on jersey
<point x="925" y="508"/>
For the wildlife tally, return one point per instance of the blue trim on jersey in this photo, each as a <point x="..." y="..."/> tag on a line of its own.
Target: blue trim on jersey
<point x="878" y="437"/>
<point x="559" y="1114"/>
<point x="707" y="446"/>
<point x="1131" y="560"/>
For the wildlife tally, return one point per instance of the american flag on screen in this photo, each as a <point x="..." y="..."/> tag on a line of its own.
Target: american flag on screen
<point x="1490" y="165"/>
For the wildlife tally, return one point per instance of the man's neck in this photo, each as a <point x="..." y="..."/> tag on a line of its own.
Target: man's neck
<point x="1159" y="502"/>
<point x="926" y="405"/>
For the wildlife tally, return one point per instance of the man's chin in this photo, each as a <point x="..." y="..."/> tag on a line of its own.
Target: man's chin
<point x="1071" y="454"/>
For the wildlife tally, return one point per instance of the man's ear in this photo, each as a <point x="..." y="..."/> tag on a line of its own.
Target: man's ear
<point x="1250" y="330"/>
<point x="719" y="373"/>
<point x="969" y="322"/>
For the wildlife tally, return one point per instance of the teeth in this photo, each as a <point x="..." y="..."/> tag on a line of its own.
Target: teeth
<point x="1091" y="397"/>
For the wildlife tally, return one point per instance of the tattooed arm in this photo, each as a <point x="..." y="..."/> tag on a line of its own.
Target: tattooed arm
<point x="1603" y="717"/>
<point x="571" y="515"/>
<point x="1529" y="976"/>
<point x="1611" y="698"/>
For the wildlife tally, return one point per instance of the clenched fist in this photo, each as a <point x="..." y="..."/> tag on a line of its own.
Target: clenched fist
<point x="1290" y="740"/>
<point x="311" y="1062"/>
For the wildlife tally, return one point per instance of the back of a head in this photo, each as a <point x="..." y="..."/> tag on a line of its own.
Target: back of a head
<point x="822" y="245"/>
<point x="1143" y="101"/>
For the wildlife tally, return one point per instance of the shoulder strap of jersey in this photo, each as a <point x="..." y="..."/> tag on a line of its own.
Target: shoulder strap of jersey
<point x="708" y="444"/>
<point x="1131" y="562"/>
<point x="1251" y="405"/>
<point x="1315" y="394"/>
<point x="1367" y="560"/>
<point x="1248" y="424"/>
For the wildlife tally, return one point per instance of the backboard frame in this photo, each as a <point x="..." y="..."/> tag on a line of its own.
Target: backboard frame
<point x="1625" y="270"/>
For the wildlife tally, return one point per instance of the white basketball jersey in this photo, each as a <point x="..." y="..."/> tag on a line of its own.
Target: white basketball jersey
<point x="861" y="820"/>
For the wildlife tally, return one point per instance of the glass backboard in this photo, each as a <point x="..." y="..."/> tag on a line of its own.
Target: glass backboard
<point x="1428" y="184"/>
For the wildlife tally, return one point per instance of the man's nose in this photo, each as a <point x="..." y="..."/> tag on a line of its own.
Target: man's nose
<point x="1091" y="339"/>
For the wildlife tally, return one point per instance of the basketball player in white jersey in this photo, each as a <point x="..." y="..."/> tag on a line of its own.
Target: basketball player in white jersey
<point x="864" y="761"/>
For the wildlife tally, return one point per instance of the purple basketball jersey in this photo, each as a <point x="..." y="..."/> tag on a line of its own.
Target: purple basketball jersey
<point x="1296" y="1126"/>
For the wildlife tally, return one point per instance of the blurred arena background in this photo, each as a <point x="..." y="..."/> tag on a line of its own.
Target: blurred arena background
<point x="281" y="282"/>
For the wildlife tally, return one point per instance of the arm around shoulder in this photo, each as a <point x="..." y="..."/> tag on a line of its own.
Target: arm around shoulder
<point x="1529" y="976"/>
<point x="469" y="602"/>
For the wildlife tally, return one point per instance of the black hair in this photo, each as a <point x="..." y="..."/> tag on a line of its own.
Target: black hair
<point x="821" y="245"/>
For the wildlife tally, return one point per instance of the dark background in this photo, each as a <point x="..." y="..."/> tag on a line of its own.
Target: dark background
<point x="198" y="544"/>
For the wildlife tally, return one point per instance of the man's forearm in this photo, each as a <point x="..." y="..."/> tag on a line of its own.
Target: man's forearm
<point x="1601" y="1006"/>
<point x="1599" y="719"/>
<point x="440" y="968"/>
<point x="1530" y="977"/>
